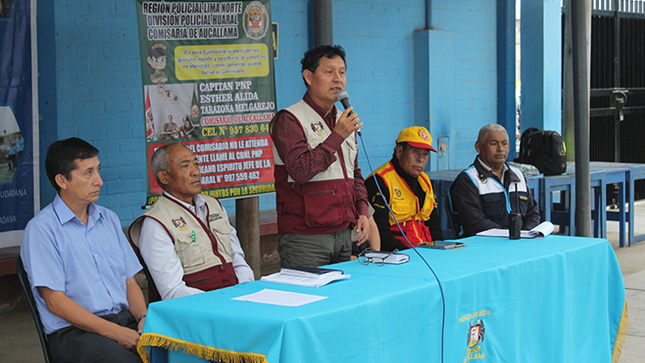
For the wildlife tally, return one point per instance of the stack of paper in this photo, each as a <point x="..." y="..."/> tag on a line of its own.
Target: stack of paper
<point x="313" y="272"/>
<point x="542" y="230"/>
<point x="306" y="276"/>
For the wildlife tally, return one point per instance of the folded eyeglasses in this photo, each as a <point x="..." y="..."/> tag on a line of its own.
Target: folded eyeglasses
<point x="378" y="258"/>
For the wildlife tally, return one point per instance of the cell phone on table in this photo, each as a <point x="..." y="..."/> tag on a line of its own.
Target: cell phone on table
<point x="442" y="245"/>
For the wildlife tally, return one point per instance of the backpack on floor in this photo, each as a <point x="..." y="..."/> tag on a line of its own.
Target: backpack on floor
<point x="544" y="149"/>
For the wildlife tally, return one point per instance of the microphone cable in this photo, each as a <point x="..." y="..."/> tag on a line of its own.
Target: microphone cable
<point x="443" y="299"/>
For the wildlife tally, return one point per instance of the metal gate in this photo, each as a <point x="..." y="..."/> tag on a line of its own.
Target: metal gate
<point x="617" y="99"/>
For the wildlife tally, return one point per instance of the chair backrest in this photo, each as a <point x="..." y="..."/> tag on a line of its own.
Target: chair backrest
<point x="153" y="293"/>
<point x="453" y="219"/>
<point x="26" y="288"/>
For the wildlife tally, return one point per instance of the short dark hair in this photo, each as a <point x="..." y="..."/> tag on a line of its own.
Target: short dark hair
<point x="61" y="157"/>
<point x="403" y="144"/>
<point x="311" y="60"/>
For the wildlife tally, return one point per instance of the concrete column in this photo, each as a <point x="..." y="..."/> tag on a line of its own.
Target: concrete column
<point x="541" y="67"/>
<point x="506" y="69"/>
<point x="581" y="46"/>
<point x="247" y="224"/>
<point x="323" y="23"/>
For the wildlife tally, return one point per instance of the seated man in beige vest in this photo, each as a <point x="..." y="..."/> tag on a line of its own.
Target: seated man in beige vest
<point x="185" y="238"/>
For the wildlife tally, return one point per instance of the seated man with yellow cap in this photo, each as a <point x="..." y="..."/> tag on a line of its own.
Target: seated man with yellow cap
<point x="408" y="191"/>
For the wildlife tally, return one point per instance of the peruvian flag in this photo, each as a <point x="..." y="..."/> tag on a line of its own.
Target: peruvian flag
<point x="150" y="126"/>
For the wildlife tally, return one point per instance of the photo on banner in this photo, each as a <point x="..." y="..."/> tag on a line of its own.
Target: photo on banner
<point x="208" y="82"/>
<point x="19" y="199"/>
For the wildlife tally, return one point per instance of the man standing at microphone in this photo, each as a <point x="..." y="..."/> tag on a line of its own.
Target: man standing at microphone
<point x="320" y="193"/>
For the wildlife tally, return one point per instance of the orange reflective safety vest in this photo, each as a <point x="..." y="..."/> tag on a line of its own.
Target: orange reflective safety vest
<point x="405" y="205"/>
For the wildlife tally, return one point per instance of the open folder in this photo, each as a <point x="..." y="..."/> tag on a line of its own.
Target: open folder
<point x="542" y="230"/>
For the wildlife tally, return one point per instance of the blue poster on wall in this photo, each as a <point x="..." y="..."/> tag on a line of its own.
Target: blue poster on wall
<point x="18" y="134"/>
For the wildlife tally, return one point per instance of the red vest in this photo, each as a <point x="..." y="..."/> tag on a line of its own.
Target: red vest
<point x="327" y="202"/>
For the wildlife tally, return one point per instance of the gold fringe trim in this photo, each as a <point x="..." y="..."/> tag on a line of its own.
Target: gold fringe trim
<point x="621" y="335"/>
<point x="198" y="350"/>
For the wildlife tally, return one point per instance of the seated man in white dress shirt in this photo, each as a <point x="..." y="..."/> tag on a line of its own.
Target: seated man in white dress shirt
<point x="185" y="238"/>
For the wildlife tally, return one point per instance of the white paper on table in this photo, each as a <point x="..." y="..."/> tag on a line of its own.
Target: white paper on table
<point x="278" y="297"/>
<point x="315" y="281"/>
<point x="542" y="230"/>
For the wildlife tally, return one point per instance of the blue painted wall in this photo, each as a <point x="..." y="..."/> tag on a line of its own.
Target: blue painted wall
<point x="90" y="79"/>
<point x="378" y="39"/>
<point x="90" y="87"/>
<point x="462" y="77"/>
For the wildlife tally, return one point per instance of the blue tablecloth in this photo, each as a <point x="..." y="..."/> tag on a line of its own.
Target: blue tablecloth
<point x="557" y="299"/>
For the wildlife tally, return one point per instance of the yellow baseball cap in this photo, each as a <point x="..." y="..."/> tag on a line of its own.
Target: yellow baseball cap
<point x="416" y="136"/>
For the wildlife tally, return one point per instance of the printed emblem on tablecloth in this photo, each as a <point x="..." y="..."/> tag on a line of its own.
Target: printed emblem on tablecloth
<point x="475" y="338"/>
<point x="180" y="223"/>
<point x="475" y="333"/>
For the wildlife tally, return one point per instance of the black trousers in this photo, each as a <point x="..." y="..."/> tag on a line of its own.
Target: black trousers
<point x="74" y="345"/>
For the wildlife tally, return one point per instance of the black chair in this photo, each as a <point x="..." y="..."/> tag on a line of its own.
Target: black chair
<point x="153" y="293"/>
<point x="453" y="218"/>
<point x="26" y="288"/>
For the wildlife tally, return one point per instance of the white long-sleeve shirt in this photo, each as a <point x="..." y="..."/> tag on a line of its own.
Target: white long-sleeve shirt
<point x="158" y="250"/>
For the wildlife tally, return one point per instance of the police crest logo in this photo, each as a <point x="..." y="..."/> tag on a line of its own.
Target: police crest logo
<point x="256" y="20"/>
<point x="194" y="112"/>
<point x="179" y="223"/>
<point x="317" y="127"/>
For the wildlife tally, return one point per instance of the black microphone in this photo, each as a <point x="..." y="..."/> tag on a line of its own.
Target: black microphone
<point x="515" y="218"/>
<point x="343" y="98"/>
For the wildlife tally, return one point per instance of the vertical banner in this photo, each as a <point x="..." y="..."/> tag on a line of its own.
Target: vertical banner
<point x="208" y="82"/>
<point x="18" y="127"/>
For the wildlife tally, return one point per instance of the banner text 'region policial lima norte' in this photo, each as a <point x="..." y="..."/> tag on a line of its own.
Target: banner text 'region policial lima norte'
<point x="208" y="83"/>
